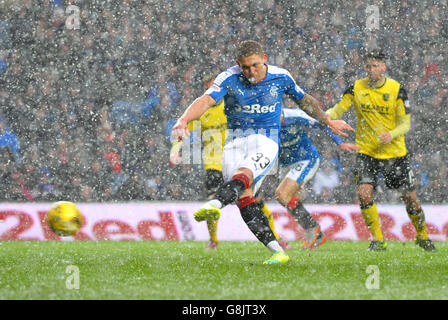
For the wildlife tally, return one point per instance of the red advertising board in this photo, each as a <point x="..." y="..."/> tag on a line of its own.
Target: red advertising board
<point x="174" y="221"/>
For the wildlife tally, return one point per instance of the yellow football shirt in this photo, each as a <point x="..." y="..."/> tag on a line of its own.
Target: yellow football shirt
<point x="213" y="125"/>
<point x="377" y="110"/>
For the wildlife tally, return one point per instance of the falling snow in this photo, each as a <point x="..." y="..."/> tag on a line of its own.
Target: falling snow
<point x="88" y="108"/>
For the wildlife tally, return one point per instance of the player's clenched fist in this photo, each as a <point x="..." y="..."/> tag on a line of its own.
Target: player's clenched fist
<point x="385" y="137"/>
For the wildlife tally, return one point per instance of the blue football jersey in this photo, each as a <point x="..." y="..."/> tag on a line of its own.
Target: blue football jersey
<point x="254" y="106"/>
<point x="295" y="144"/>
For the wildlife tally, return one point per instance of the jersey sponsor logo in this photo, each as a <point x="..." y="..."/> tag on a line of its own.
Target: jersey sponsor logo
<point x="256" y="108"/>
<point x="215" y="88"/>
<point x="373" y="108"/>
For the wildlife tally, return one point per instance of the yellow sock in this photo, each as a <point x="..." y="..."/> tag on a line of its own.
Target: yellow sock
<point x="268" y="215"/>
<point x="372" y="219"/>
<point x="213" y="230"/>
<point x="418" y="220"/>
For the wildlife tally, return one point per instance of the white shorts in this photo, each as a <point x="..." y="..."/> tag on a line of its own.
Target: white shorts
<point x="301" y="171"/>
<point x="255" y="152"/>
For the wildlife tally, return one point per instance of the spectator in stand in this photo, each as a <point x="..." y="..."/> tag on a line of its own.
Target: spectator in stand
<point x="10" y="186"/>
<point x="9" y="140"/>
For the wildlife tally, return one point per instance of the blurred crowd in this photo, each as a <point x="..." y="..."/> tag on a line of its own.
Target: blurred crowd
<point x="86" y="110"/>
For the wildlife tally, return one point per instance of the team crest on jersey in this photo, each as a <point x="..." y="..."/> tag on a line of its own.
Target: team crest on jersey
<point x="386" y="97"/>
<point x="274" y="91"/>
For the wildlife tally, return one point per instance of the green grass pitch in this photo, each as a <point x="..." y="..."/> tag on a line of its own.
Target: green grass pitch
<point x="184" y="270"/>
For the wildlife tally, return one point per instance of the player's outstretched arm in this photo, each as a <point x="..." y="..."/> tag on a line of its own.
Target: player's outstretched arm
<point x="193" y="112"/>
<point x="311" y="106"/>
<point x="343" y="105"/>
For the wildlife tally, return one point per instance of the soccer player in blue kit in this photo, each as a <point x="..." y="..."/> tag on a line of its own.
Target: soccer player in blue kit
<point x="252" y="92"/>
<point x="299" y="161"/>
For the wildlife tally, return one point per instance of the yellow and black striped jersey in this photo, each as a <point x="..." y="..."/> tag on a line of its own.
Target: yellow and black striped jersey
<point x="380" y="109"/>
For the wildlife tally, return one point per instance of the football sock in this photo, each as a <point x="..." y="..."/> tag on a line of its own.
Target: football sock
<point x="372" y="220"/>
<point x="256" y="221"/>
<point x="216" y="203"/>
<point x="303" y="217"/>
<point x="230" y="191"/>
<point x="274" y="246"/>
<point x="213" y="230"/>
<point x="418" y="220"/>
<point x="264" y="208"/>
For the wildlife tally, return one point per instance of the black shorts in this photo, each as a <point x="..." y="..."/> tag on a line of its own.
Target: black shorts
<point x="397" y="172"/>
<point x="213" y="180"/>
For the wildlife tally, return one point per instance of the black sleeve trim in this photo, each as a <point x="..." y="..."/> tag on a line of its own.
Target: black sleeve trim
<point x="403" y="95"/>
<point x="350" y="90"/>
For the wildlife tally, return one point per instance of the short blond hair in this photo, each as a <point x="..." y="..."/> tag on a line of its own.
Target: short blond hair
<point x="248" y="48"/>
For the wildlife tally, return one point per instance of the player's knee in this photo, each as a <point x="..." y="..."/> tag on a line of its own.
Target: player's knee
<point x="245" y="172"/>
<point x="213" y="181"/>
<point x="234" y="189"/>
<point x="244" y="178"/>
<point x="365" y="194"/>
<point x="411" y="202"/>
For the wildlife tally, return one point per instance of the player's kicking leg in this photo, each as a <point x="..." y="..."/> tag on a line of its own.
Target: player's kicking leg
<point x="258" y="223"/>
<point x="227" y="193"/>
<point x="239" y="188"/>
<point x="246" y="160"/>
<point x="264" y="208"/>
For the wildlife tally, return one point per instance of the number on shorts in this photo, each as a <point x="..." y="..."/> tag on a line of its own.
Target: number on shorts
<point x="257" y="157"/>
<point x="263" y="164"/>
<point x="299" y="167"/>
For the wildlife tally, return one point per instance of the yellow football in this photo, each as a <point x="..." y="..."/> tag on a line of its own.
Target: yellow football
<point x="64" y="218"/>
